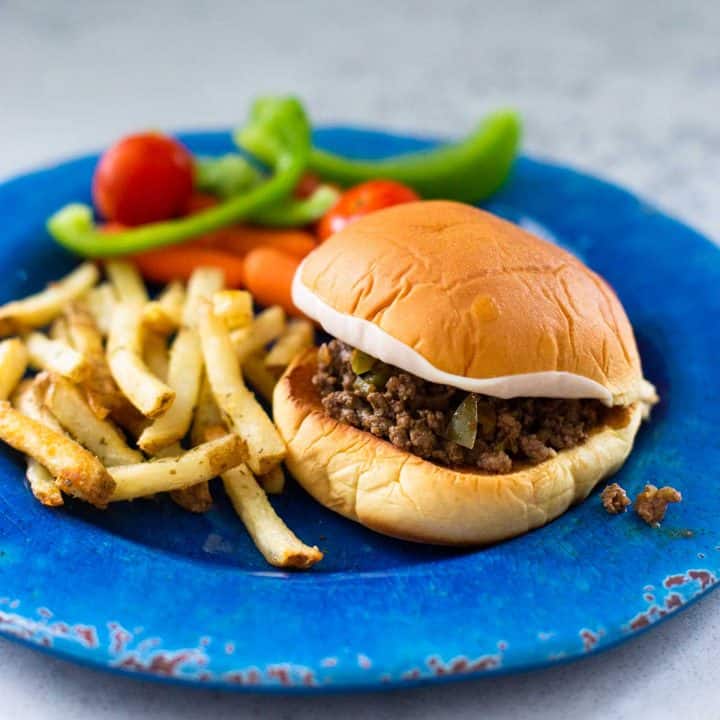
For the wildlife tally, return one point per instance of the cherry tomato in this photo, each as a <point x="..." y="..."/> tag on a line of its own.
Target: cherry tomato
<point x="361" y="200"/>
<point x="143" y="178"/>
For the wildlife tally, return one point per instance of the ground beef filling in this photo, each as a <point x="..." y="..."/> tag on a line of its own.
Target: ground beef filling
<point x="413" y="414"/>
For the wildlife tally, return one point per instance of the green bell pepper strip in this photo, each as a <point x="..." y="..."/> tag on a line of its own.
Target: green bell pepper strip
<point x="468" y="171"/>
<point x="294" y="212"/>
<point x="225" y="176"/>
<point x="278" y="132"/>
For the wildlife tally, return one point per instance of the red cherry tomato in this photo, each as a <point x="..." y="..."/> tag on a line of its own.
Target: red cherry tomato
<point x="361" y="200"/>
<point x="143" y="178"/>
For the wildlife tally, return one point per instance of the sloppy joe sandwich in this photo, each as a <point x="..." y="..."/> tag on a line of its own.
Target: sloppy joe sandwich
<point x="479" y="380"/>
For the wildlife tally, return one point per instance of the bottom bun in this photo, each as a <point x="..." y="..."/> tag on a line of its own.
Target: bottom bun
<point x="393" y="492"/>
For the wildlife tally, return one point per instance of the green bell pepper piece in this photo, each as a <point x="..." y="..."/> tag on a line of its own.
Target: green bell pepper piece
<point x="225" y="176"/>
<point x="463" y="425"/>
<point x="278" y="133"/>
<point x="468" y="171"/>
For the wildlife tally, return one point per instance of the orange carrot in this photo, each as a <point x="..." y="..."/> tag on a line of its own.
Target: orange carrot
<point x="268" y="276"/>
<point x="177" y="263"/>
<point x="241" y="239"/>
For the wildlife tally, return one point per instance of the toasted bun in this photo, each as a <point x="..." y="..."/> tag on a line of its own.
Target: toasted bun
<point x="477" y="297"/>
<point x="375" y="483"/>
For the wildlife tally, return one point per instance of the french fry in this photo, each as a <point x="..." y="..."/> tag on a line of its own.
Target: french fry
<point x="207" y="424"/>
<point x="101" y="437"/>
<point x="76" y="471"/>
<point x="277" y="543"/>
<point x="273" y="483"/>
<point x="59" y="330"/>
<point x="202" y="285"/>
<point x="266" y="327"/>
<point x="201" y="463"/>
<point x="103" y="394"/>
<point x="164" y="314"/>
<point x="207" y="418"/>
<point x="28" y="399"/>
<point x="100" y="301"/>
<point x="156" y="354"/>
<point x="38" y="310"/>
<point x="245" y="415"/>
<point x="298" y="335"/>
<point x="56" y="356"/>
<point x="183" y="376"/>
<point x="145" y="391"/>
<point x="258" y="375"/>
<point x="235" y="307"/>
<point x="42" y="484"/>
<point x="13" y="363"/>
<point x="126" y="282"/>
<point x="194" y="498"/>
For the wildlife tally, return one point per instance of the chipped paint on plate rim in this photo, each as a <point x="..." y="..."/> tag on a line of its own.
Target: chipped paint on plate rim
<point x="152" y="591"/>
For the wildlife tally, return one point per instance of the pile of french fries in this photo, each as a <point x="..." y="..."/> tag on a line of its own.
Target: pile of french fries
<point x="136" y="396"/>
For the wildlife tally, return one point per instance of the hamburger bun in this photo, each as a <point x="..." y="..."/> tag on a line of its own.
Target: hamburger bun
<point x="474" y="297"/>
<point x="371" y="481"/>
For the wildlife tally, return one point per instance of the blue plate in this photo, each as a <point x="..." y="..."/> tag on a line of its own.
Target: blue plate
<point x="152" y="590"/>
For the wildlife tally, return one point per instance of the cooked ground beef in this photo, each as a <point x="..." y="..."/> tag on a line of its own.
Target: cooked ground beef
<point x="615" y="499"/>
<point x="651" y="504"/>
<point x="414" y="415"/>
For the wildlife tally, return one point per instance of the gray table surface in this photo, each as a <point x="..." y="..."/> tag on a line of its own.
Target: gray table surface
<point x="629" y="90"/>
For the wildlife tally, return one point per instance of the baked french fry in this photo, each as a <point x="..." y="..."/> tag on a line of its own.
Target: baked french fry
<point x="207" y="418"/>
<point x="13" y="363"/>
<point x="100" y="302"/>
<point x="183" y="376"/>
<point x="201" y="463"/>
<point x="42" y="484"/>
<point x="101" y="437"/>
<point x="202" y="285"/>
<point x="58" y="330"/>
<point x="38" y="310"/>
<point x="277" y="543"/>
<point x="259" y="376"/>
<point x="156" y="354"/>
<point x="245" y="415"/>
<point x="266" y="327"/>
<point x="164" y="314"/>
<point x="207" y="424"/>
<point x="235" y="307"/>
<point x="273" y="483"/>
<point x="195" y="498"/>
<point x="56" y="356"/>
<point x="298" y="335"/>
<point x="145" y="391"/>
<point x="103" y="394"/>
<point x="126" y="282"/>
<point x="76" y="471"/>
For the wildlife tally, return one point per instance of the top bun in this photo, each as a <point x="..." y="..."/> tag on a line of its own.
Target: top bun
<point x="475" y="296"/>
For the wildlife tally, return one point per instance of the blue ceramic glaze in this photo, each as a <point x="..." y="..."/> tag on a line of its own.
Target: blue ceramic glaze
<point x="150" y="589"/>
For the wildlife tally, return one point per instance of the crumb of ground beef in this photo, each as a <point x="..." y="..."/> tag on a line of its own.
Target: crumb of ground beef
<point x="413" y="414"/>
<point x="651" y="504"/>
<point x="615" y="499"/>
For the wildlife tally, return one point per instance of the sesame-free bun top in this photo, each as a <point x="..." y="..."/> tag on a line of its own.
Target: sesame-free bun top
<point x="457" y="295"/>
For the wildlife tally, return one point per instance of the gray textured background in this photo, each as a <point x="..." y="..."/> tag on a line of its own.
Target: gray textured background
<point x="629" y="90"/>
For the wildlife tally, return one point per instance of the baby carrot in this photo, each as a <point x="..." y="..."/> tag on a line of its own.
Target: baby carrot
<point x="177" y="263"/>
<point x="268" y="276"/>
<point x="241" y="239"/>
